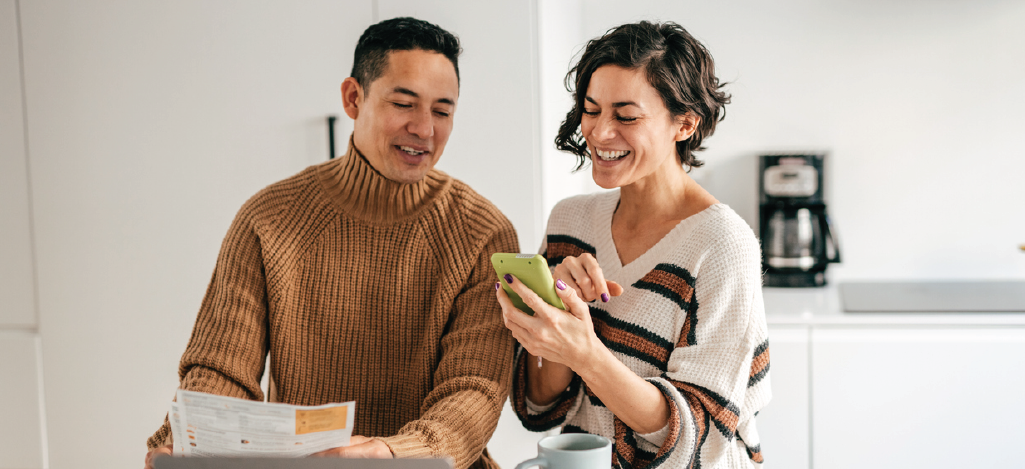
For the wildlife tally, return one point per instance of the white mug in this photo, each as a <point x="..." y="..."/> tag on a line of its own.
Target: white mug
<point x="571" y="451"/>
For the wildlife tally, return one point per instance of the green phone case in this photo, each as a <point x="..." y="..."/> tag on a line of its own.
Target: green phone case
<point x="532" y="270"/>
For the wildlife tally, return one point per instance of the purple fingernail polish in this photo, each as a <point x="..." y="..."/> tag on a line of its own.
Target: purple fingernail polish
<point x="497" y="286"/>
<point x="560" y="284"/>
<point x="605" y="297"/>
<point x="508" y="278"/>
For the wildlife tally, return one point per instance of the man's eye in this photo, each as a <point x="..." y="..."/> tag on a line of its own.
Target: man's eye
<point x="403" y="105"/>
<point x="442" y="113"/>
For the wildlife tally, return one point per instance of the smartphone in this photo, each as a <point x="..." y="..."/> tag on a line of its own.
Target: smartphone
<point x="532" y="270"/>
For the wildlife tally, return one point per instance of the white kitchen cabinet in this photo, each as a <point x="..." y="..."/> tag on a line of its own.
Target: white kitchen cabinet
<point x="21" y="431"/>
<point x="898" y="397"/>
<point x="783" y="424"/>
<point x="17" y="299"/>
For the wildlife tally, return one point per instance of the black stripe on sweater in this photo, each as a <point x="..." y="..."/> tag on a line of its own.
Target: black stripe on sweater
<point x="630" y="339"/>
<point x="674" y="283"/>
<point x="725" y="415"/>
<point x="559" y="247"/>
<point x="759" y="364"/>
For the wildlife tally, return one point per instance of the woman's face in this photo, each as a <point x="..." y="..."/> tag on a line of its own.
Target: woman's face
<point x="627" y="127"/>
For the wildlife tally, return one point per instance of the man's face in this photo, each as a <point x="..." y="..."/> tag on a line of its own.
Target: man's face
<point x="403" y="122"/>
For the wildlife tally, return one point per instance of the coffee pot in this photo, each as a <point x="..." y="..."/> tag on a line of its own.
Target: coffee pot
<point x="797" y="238"/>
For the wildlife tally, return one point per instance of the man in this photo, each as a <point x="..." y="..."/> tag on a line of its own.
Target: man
<point x="368" y="278"/>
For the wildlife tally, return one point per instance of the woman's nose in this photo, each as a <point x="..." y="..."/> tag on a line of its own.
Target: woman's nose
<point x="603" y="129"/>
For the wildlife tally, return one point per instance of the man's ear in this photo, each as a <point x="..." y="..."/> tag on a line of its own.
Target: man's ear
<point x="352" y="97"/>
<point x="686" y="125"/>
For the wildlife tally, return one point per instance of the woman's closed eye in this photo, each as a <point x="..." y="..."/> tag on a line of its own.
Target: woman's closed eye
<point x="596" y="113"/>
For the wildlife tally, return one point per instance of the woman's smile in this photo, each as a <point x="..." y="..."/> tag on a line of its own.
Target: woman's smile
<point x="611" y="155"/>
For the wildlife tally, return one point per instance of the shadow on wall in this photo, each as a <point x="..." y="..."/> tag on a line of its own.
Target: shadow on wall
<point x="734" y="181"/>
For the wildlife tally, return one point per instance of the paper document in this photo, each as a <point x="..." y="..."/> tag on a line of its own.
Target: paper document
<point x="208" y="425"/>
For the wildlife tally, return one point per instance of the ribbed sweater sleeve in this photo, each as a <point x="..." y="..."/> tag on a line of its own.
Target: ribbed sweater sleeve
<point x="472" y="379"/>
<point x="554" y="414"/>
<point x="227" y="350"/>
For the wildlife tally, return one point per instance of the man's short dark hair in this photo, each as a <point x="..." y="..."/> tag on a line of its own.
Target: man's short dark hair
<point x="403" y="33"/>
<point x="675" y="64"/>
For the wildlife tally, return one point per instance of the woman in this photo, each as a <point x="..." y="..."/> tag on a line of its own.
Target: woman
<point x="670" y="358"/>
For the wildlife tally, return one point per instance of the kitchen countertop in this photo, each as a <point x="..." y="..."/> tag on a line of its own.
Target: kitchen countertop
<point x="821" y="306"/>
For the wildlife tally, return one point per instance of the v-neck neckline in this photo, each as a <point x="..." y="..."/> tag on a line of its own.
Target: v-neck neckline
<point x="608" y="257"/>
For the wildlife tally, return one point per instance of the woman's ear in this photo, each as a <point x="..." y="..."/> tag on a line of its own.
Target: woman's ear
<point x="686" y="125"/>
<point x="352" y="97"/>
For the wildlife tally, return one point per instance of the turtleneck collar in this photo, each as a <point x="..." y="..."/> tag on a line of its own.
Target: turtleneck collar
<point x="358" y="190"/>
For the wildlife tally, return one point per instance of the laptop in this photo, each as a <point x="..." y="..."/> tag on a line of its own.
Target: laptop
<point x="167" y="462"/>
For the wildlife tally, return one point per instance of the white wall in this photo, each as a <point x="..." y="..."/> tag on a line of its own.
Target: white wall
<point x="17" y="289"/>
<point x="918" y="104"/>
<point x="562" y="38"/>
<point x="22" y="434"/>
<point x="149" y="125"/>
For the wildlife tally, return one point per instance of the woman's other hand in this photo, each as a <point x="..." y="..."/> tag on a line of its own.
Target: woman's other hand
<point x="584" y="275"/>
<point x="565" y="337"/>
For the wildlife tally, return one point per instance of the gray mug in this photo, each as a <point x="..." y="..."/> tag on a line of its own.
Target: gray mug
<point x="571" y="451"/>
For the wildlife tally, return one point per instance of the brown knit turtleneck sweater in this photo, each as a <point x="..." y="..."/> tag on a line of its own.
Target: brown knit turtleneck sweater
<point x="363" y="289"/>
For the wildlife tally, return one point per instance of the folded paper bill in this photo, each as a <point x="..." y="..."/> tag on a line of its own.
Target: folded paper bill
<point x="208" y="425"/>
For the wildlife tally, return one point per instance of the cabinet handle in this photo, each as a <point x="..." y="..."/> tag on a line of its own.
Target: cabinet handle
<point x="331" y="136"/>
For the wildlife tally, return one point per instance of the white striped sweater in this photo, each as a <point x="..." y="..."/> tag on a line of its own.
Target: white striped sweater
<point x="690" y="321"/>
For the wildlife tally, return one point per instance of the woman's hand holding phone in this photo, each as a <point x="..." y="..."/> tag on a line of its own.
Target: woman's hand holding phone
<point x="565" y="337"/>
<point x="584" y="275"/>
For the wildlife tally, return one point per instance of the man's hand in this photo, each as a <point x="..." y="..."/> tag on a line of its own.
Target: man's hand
<point x="359" y="447"/>
<point x="156" y="452"/>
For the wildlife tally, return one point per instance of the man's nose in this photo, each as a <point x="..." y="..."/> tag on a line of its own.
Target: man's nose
<point x="422" y="124"/>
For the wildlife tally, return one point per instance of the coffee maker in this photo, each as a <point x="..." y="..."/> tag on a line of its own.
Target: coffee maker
<point x="797" y="242"/>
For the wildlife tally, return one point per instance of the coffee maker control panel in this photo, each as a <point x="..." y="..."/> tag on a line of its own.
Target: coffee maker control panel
<point x="790" y="180"/>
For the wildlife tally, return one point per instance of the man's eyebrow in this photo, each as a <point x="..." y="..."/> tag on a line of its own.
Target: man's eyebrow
<point x="409" y="92"/>
<point x="615" y="105"/>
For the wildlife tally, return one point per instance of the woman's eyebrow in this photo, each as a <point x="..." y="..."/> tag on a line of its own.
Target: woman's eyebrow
<point x="615" y="105"/>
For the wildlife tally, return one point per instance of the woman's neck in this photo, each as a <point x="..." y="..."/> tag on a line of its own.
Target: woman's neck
<point x="664" y="196"/>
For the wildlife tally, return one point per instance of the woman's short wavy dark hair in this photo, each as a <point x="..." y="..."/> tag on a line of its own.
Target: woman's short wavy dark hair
<point x="405" y="33"/>
<point x="677" y="66"/>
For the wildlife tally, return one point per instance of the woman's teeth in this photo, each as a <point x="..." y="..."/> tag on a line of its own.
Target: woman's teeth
<point x="411" y="151"/>
<point x="611" y="155"/>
